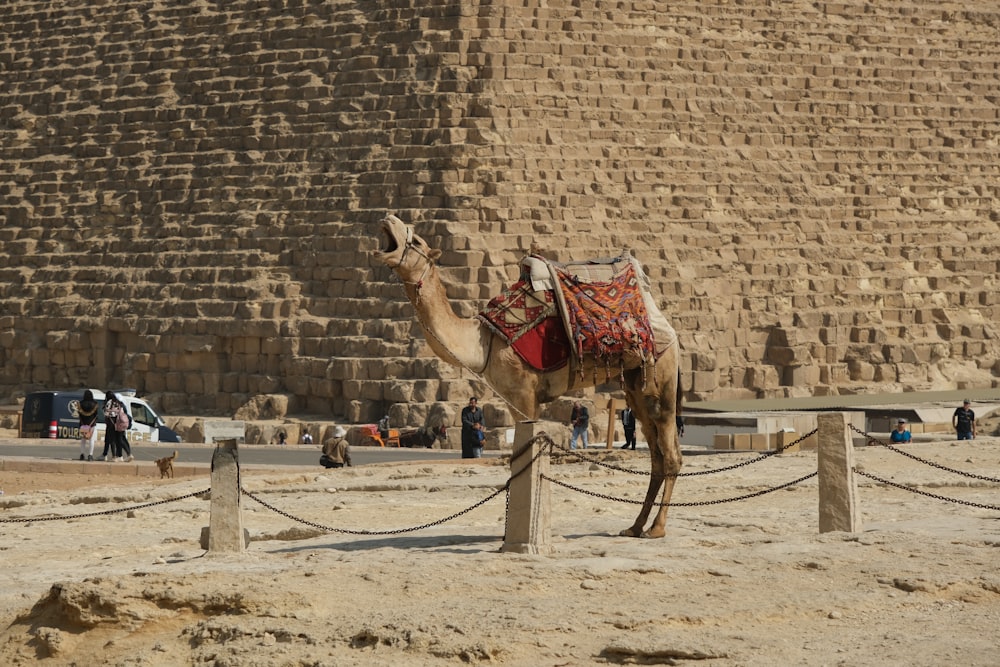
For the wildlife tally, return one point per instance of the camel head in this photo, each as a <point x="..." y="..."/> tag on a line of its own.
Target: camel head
<point x="404" y="251"/>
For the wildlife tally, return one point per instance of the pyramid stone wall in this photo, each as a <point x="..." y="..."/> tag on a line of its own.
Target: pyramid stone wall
<point x="192" y="188"/>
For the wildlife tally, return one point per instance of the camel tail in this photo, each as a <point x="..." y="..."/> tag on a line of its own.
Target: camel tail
<point x="679" y="406"/>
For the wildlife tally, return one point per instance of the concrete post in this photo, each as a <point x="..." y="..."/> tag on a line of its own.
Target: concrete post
<point x="528" y="528"/>
<point x="225" y="528"/>
<point x="837" y="491"/>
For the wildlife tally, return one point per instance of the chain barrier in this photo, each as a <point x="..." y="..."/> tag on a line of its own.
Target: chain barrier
<point x="107" y="512"/>
<point x="395" y="531"/>
<point x="633" y="471"/>
<point x="398" y="531"/>
<point x="933" y="464"/>
<point x="926" y="493"/>
<point x="970" y="475"/>
<point x="693" y="504"/>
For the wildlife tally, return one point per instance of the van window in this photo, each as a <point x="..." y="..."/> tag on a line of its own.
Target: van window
<point x="141" y="414"/>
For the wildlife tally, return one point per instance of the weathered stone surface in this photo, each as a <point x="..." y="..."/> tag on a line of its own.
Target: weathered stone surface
<point x="200" y="230"/>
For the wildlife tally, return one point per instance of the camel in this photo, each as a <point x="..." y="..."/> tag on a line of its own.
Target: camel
<point x="653" y="396"/>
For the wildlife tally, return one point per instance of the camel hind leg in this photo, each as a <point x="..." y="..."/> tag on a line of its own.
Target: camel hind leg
<point x="658" y="412"/>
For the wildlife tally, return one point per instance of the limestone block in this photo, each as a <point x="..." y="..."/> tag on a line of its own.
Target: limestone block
<point x="425" y="391"/>
<point x="802" y="376"/>
<point x="785" y="438"/>
<point x="722" y="441"/>
<point x="373" y="391"/>
<point x="809" y="443"/>
<point x="861" y="371"/>
<point x="264" y="407"/>
<point x="741" y="441"/>
<point x="759" y="442"/>
<point x="398" y="391"/>
<point x="704" y="381"/>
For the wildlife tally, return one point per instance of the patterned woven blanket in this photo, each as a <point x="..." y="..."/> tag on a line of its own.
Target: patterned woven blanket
<point x="529" y="322"/>
<point x="607" y="318"/>
<point x="597" y="306"/>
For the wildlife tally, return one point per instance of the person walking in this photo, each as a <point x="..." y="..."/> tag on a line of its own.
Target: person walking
<point x="964" y="421"/>
<point x="473" y="430"/>
<point x="336" y="450"/>
<point x="628" y="423"/>
<point x="88" y="425"/>
<point x="580" y="421"/>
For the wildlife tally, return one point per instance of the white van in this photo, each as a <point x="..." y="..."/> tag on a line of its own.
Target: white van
<point x="55" y="414"/>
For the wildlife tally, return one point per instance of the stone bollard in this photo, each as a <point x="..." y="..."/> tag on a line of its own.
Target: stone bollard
<point x="528" y="528"/>
<point x="837" y="491"/>
<point x="225" y="528"/>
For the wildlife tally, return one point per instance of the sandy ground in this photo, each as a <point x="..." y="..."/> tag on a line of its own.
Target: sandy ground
<point x="750" y="582"/>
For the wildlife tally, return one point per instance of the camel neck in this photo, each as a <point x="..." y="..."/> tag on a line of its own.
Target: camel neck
<point x="459" y="341"/>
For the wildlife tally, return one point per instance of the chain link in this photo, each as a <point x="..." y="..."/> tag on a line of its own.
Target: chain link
<point x="106" y="512"/>
<point x="395" y="531"/>
<point x="970" y="475"/>
<point x="705" y="502"/>
<point x="633" y="471"/>
<point x="926" y="493"/>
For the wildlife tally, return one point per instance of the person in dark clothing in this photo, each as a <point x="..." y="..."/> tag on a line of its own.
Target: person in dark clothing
<point x="88" y="425"/>
<point x="964" y="421"/>
<point x="472" y="428"/>
<point x="115" y="440"/>
<point x="628" y="423"/>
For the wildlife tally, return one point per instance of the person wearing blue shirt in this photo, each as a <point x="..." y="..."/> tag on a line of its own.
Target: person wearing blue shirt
<point x="900" y="434"/>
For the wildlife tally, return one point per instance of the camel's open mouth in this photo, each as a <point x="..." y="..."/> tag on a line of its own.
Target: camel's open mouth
<point x="389" y="240"/>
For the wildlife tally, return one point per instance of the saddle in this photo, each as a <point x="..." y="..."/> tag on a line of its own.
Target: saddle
<point x="599" y="307"/>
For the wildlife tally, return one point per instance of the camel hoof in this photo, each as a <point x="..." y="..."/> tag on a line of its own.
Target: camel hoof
<point x="654" y="534"/>
<point x="631" y="532"/>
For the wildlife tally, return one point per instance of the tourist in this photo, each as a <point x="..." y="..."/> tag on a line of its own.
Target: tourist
<point x="900" y="434"/>
<point x="88" y="425"/>
<point x="307" y="438"/>
<point x="117" y="421"/>
<point x="628" y="423"/>
<point x="473" y="431"/>
<point x="336" y="451"/>
<point x="383" y="429"/>
<point x="580" y="421"/>
<point x="964" y="421"/>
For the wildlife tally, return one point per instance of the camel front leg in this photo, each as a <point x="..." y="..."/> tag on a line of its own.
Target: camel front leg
<point x="635" y="530"/>
<point x="659" y="527"/>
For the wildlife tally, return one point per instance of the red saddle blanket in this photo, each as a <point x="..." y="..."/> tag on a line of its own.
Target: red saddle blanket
<point x="529" y="322"/>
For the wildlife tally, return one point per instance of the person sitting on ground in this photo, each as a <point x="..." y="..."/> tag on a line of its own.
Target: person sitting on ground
<point x="900" y="434"/>
<point x="336" y="451"/>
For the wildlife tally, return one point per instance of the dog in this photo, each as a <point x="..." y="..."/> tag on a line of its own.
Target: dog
<point x="166" y="465"/>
